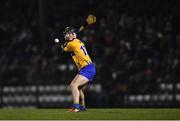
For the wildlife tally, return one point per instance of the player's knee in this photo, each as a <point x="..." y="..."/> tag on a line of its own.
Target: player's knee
<point x="73" y="85"/>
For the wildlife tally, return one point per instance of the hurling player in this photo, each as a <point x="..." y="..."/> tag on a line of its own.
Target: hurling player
<point x="86" y="68"/>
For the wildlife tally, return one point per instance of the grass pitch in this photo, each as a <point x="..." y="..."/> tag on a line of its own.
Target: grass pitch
<point x="93" y="114"/>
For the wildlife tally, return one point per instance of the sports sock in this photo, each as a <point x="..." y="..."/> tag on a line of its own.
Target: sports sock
<point x="76" y="106"/>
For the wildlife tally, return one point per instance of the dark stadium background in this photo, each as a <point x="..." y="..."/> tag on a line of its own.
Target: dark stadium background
<point x="135" y="45"/>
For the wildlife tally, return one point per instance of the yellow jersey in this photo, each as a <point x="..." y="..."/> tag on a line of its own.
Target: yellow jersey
<point x="78" y="52"/>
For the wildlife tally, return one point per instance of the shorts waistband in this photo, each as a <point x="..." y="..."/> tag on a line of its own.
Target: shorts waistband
<point x="87" y="65"/>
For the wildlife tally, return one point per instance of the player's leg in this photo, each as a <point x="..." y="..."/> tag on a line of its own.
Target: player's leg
<point x="78" y="81"/>
<point x="82" y="99"/>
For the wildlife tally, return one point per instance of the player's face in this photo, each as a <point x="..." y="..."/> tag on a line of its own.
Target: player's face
<point x="70" y="36"/>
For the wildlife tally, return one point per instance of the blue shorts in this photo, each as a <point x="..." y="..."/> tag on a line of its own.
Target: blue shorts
<point x="88" y="71"/>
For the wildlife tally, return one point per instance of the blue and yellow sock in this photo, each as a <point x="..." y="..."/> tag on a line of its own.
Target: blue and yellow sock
<point x="76" y="106"/>
<point x="82" y="108"/>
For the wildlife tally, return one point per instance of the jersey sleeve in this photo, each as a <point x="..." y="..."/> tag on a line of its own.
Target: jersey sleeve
<point x="69" y="47"/>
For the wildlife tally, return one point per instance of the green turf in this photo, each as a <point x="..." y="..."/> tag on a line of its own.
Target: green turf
<point x="50" y="114"/>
